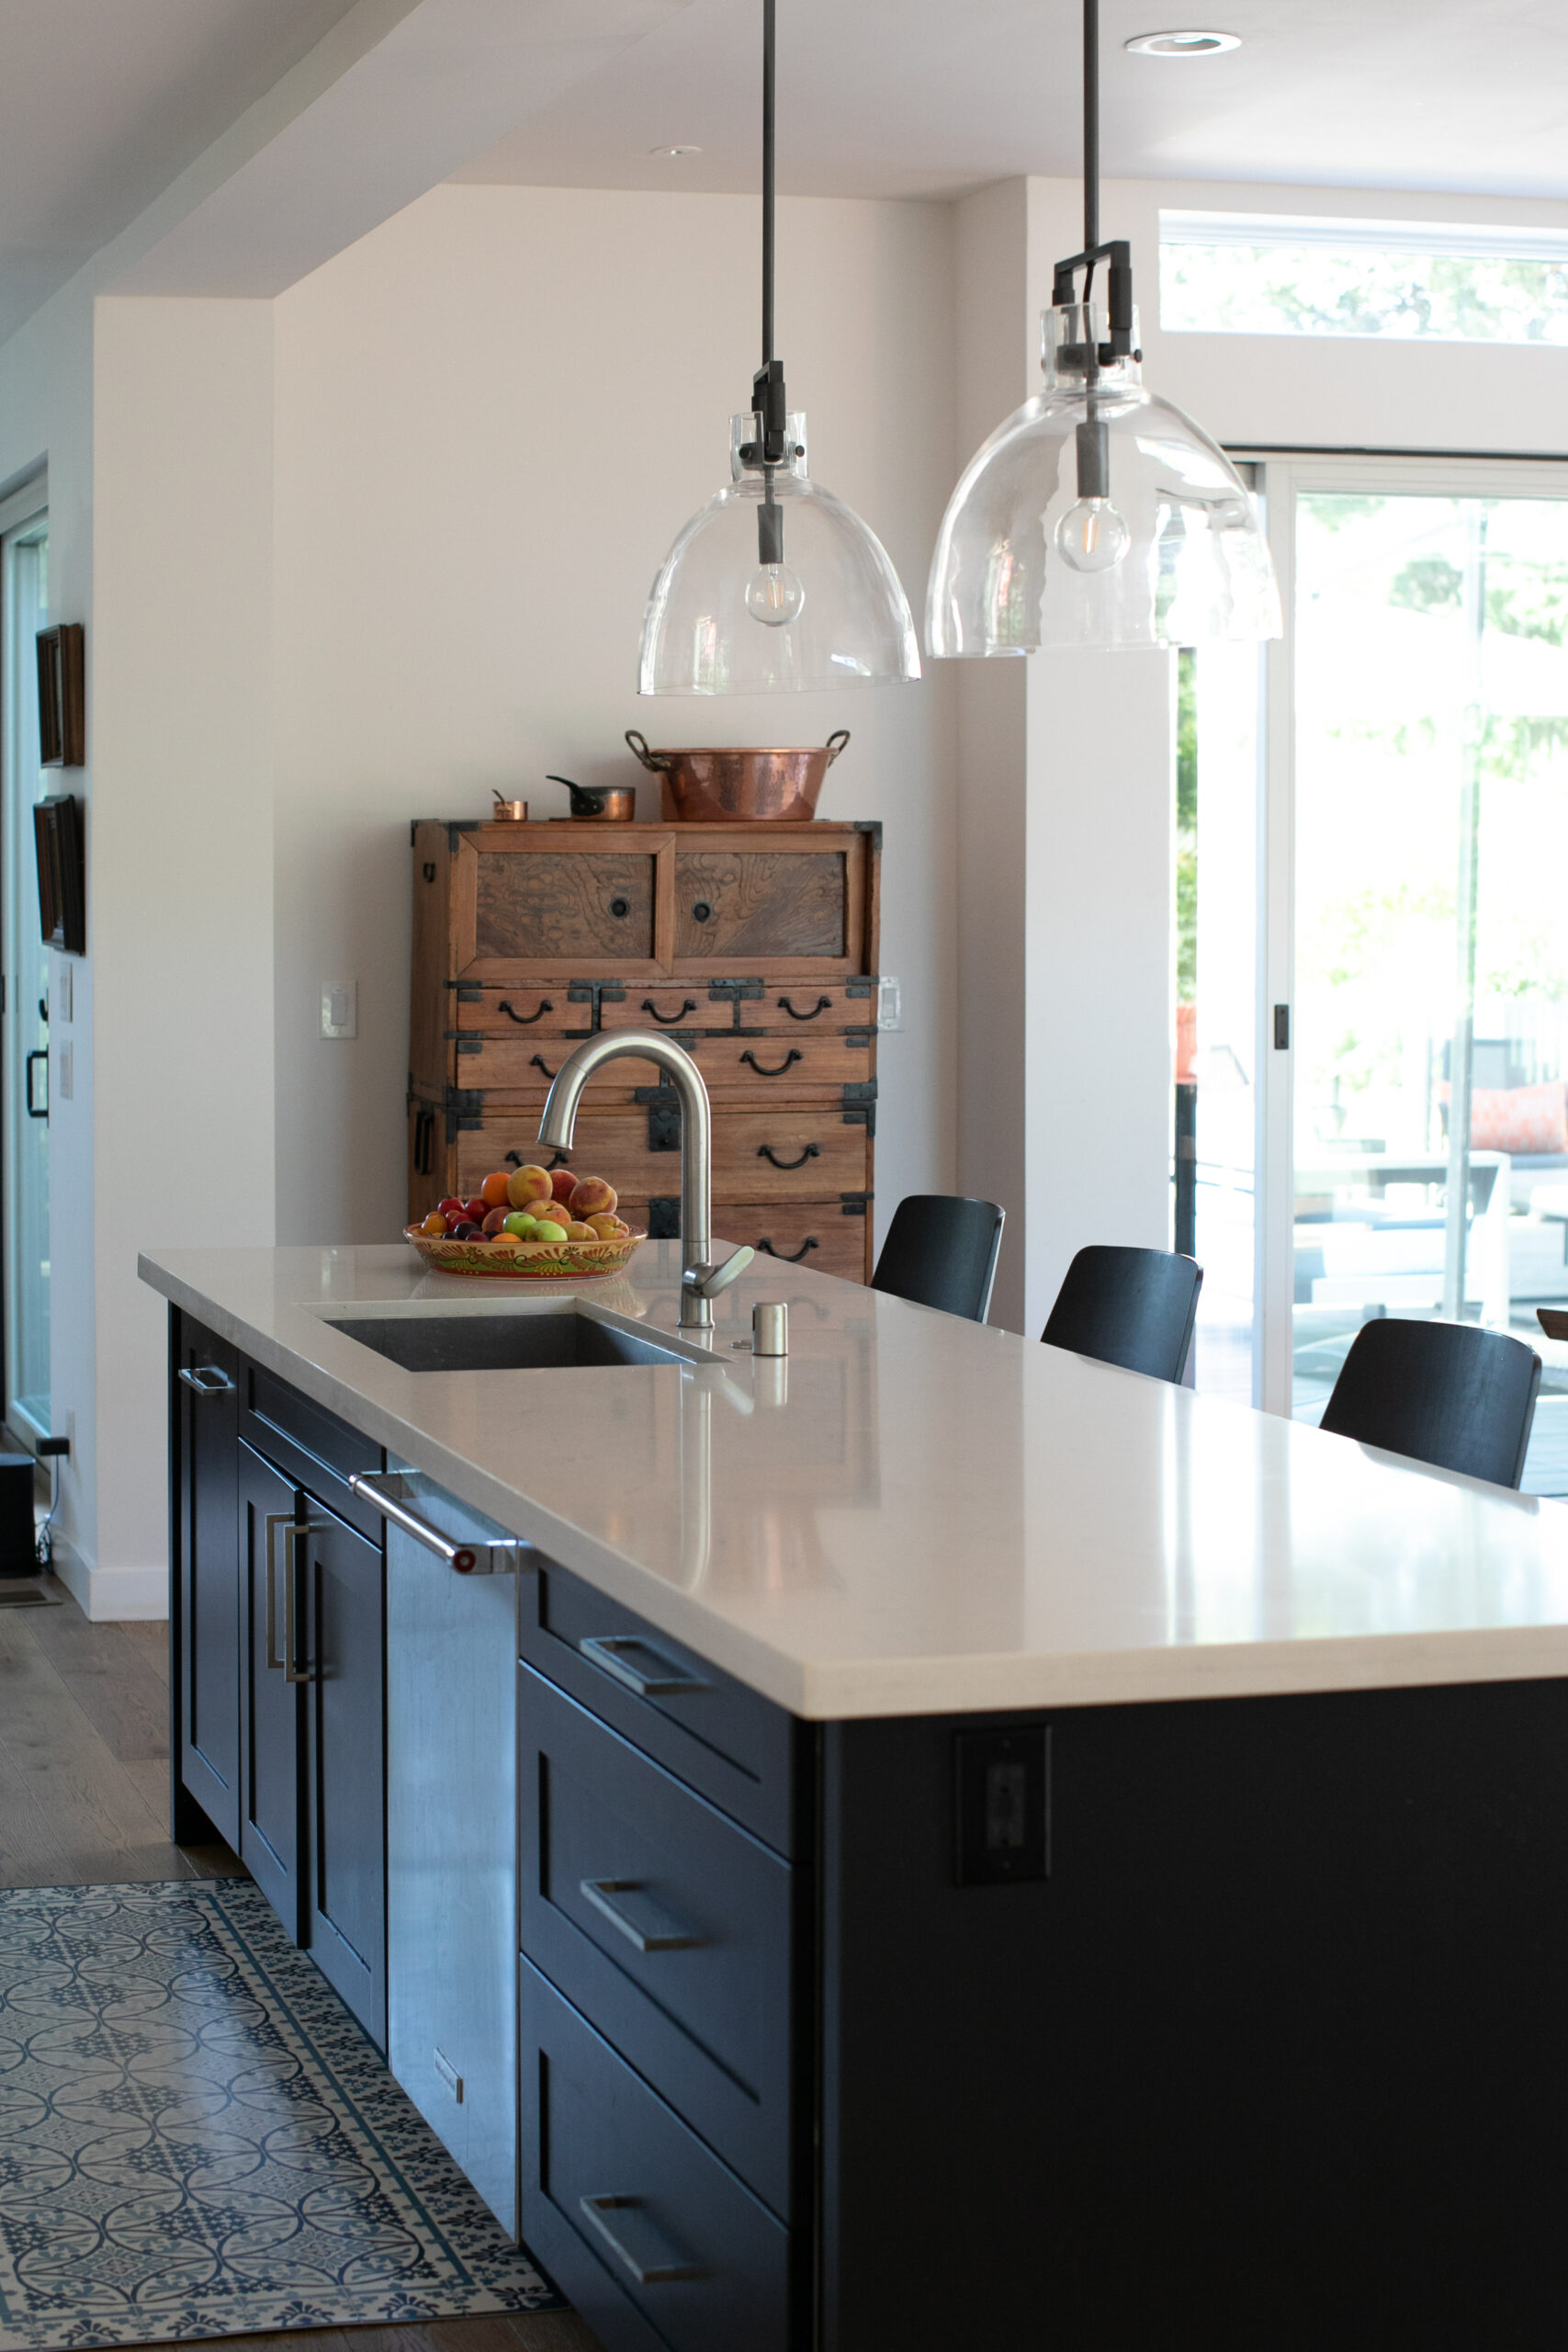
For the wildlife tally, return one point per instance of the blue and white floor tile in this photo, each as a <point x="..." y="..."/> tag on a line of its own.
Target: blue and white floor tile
<point x="197" y="2140"/>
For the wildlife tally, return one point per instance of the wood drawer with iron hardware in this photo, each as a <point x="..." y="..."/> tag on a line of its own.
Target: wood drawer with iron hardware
<point x="668" y="1924"/>
<point x="818" y="1062"/>
<point x="732" y="1745"/>
<point x="796" y="1152"/>
<point x="743" y="1007"/>
<point x="829" y="1236"/>
<point x="624" y="2204"/>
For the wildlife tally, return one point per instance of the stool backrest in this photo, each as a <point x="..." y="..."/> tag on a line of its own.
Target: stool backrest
<point x="941" y="1251"/>
<point x="1444" y="1393"/>
<point x="1134" y="1307"/>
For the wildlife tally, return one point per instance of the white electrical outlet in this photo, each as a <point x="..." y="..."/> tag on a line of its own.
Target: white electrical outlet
<point x="889" y="1004"/>
<point x="340" y="1008"/>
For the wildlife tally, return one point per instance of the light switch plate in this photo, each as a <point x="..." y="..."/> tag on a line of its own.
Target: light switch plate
<point x="889" y="1004"/>
<point x="340" y="1008"/>
<point x="67" y="1059"/>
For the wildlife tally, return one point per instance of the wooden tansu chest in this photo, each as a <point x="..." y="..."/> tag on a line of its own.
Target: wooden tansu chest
<point x="755" y="946"/>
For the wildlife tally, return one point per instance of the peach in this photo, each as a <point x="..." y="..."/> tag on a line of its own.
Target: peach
<point x="494" y="1222"/>
<point x="606" y="1226"/>
<point x="578" y="1231"/>
<point x="433" y="1224"/>
<point x="563" y="1183"/>
<point x="493" y="1191"/>
<point x="593" y="1198"/>
<point x="527" y="1185"/>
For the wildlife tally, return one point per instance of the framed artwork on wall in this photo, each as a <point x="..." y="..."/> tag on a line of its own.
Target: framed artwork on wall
<point x="62" y="696"/>
<point x="61" y="873"/>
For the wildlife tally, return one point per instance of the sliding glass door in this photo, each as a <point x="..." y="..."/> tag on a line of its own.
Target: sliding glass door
<point x="1414" y="1110"/>
<point x="24" y="985"/>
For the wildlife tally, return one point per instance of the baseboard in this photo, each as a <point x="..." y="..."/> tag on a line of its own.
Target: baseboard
<point x="112" y="1595"/>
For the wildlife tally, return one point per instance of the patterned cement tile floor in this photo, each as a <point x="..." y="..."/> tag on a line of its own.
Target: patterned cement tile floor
<point x="83" y="1801"/>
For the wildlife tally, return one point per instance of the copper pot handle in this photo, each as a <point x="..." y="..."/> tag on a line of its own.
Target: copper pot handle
<point x="658" y="762"/>
<point x="837" y="742"/>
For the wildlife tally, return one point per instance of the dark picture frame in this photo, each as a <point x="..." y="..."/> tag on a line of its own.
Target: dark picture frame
<point x="61" y="873"/>
<point x="62" y="696"/>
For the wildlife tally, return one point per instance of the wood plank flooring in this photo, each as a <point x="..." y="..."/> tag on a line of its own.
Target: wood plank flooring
<point x="85" y="1801"/>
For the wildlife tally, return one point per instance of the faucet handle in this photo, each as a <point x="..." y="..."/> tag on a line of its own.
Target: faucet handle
<point x="706" y="1282"/>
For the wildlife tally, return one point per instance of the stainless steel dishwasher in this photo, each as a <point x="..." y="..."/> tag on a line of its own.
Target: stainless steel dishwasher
<point x="451" y="1823"/>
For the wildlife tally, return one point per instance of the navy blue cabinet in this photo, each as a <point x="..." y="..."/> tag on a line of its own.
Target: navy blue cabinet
<point x="205" y="1601"/>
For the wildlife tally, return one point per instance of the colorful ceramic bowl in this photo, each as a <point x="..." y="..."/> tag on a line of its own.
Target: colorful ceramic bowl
<point x="558" y="1261"/>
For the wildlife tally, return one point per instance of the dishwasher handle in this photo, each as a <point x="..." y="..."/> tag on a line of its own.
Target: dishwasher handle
<point x="386" y="1491"/>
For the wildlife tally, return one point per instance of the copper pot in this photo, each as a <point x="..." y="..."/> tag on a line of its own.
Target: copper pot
<point x="731" y="786"/>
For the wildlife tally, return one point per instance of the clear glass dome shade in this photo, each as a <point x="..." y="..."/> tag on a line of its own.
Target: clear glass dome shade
<point x="1097" y="514"/>
<point x="722" y="618"/>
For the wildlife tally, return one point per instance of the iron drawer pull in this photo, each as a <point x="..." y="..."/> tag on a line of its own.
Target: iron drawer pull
<point x="765" y="1151"/>
<point x="41" y="1056"/>
<point x="604" y="1651"/>
<point x="648" y="1005"/>
<point x="274" y="1520"/>
<point x="651" y="2267"/>
<point x="538" y="1062"/>
<point x="207" y="1379"/>
<point x="660" y="1934"/>
<point x="292" y="1673"/>
<point x="793" y="1055"/>
<point x="791" y="1257"/>
<point x="382" y="1489"/>
<point x="823" y="1004"/>
<point x="525" y="1020"/>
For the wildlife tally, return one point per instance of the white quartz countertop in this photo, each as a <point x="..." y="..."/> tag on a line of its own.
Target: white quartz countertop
<point x="913" y="1514"/>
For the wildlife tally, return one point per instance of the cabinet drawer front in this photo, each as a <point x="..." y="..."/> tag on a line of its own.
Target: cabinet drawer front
<point x="666" y="1924"/>
<point x="525" y="1063"/>
<point x="797" y="1152"/>
<point x="551" y="1010"/>
<point x="830" y="1237"/>
<point x="313" y="1447"/>
<point x="798" y="903"/>
<point x="743" y="1006"/>
<point x="608" y="2163"/>
<point x="527" y="901"/>
<point x="735" y="1747"/>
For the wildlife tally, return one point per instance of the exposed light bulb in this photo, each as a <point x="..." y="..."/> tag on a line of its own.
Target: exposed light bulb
<point x="775" y="595"/>
<point x="1092" y="535"/>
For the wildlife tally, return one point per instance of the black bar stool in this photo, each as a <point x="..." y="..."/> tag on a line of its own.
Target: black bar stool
<point x="941" y="1252"/>
<point x="1444" y="1393"/>
<point x="1134" y="1307"/>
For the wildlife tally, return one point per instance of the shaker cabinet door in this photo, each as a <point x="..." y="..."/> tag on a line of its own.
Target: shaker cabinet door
<point x="208" y="1400"/>
<point x="271" y="1834"/>
<point x="346" y="1911"/>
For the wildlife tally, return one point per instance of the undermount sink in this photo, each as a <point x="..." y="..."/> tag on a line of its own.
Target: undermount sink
<point x="533" y="1342"/>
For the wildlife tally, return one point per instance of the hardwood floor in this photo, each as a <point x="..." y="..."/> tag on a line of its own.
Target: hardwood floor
<point x="85" y="1801"/>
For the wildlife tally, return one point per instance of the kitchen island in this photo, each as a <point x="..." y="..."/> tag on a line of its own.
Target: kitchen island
<point x="1103" y="1850"/>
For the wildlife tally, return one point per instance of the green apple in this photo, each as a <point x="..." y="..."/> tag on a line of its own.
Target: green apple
<point x="521" y="1224"/>
<point x="545" y="1230"/>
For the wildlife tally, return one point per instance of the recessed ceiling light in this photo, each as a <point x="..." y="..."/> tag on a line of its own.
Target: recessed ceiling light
<point x="674" y="151"/>
<point x="1183" y="44"/>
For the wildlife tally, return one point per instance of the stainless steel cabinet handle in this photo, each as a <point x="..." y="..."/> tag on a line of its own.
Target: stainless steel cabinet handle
<point x="274" y="1520"/>
<point x="207" y="1379"/>
<point x="383" y="1490"/>
<point x="659" y="1932"/>
<point x="608" y="1651"/>
<point x="293" y="1535"/>
<point x="657" y="2260"/>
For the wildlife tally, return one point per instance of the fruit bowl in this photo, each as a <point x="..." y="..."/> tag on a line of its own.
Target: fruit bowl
<point x="561" y="1262"/>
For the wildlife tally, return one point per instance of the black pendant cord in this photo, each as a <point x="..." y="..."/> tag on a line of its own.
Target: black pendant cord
<point x="769" y="401"/>
<point x="1090" y="132"/>
<point x="1117" y="254"/>
<point x="769" y="72"/>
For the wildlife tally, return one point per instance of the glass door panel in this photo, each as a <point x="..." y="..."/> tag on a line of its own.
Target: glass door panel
<point x="24" y="1026"/>
<point x="1430" y="1045"/>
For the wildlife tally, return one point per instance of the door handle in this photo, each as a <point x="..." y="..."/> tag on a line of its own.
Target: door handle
<point x="779" y="1068"/>
<point x="207" y="1379"/>
<point x="648" y="1005"/>
<point x="765" y="1151"/>
<point x="607" y="1652"/>
<point x="823" y="1004"/>
<point x="40" y="1055"/>
<point x="274" y="1520"/>
<point x="386" y="1491"/>
<point x="292" y="1532"/>
<point x="659" y="1932"/>
<point x="657" y="2260"/>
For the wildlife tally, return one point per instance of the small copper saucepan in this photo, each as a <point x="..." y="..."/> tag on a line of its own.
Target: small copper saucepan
<point x="729" y="785"/>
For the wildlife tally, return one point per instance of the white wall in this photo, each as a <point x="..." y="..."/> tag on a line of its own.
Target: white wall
<point x="494" y="415"/>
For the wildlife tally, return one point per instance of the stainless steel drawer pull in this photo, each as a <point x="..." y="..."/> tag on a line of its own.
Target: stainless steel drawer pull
<point x="274" y="1520"/>
<point x="652" y="2260"/>
<point x="295" y="1534"/>
<point x="658" y="1931"/>
<point x="207" y="1379"/>
<point x="610" y="1654"/>
<point x="386" y="1491"/>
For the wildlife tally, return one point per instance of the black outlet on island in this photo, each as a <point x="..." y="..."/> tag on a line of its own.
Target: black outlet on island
<point x="1002" y="1805"/>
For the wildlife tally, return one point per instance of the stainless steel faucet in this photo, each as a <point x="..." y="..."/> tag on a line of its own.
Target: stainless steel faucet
<point x="700" y="1279"/>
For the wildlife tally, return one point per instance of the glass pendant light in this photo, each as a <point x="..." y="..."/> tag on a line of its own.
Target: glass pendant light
<point x="775" y="585"/>
<point x="1097" y="514"/>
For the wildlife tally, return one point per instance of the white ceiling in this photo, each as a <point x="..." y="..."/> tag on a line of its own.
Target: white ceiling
<point x="104" y="102"/>
<point x="920" y="97"/>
